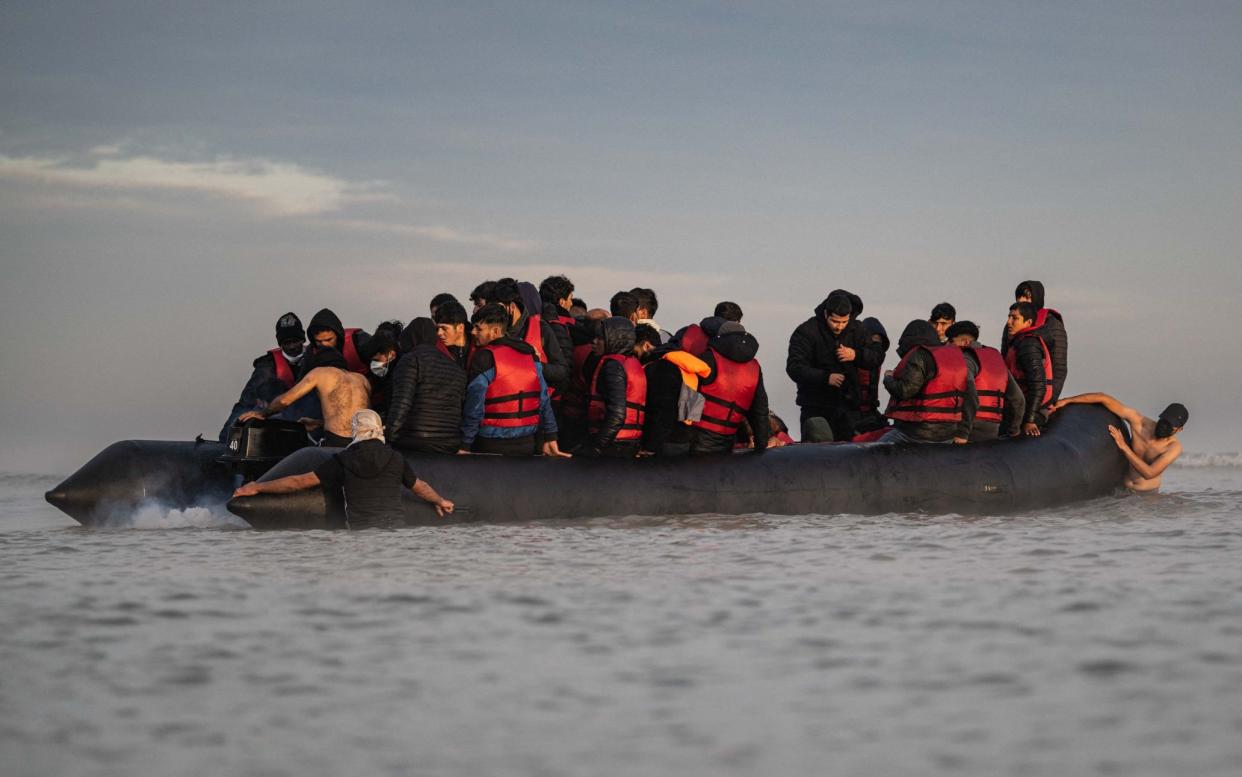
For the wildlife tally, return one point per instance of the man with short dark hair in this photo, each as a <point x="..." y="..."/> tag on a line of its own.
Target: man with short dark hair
<point x="647" y="307"/>
<point x="379" y="352"/>
<point x="1053" y="326"/>
<point x="625" y="305"/>
<point x="941" y="318"/>
<point x="274" y="372"/>
<point x="1031" y="366"/>
<point x="369" y="475"/>
<point x="450" y="319"/>
<point x="729" y="311"/>
<point x="825" y="354"/>
<point x="646" y="339"/>
<point x="482" y="294"/>
<point x="440" y="299"/>
<point x="1001" y="403"/>
<point x="525" y="309"/>
<point x="1153" y="444"/>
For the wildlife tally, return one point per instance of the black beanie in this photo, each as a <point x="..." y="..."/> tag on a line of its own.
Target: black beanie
<point x="327" y="357"/>
<point x="289" y="327"/>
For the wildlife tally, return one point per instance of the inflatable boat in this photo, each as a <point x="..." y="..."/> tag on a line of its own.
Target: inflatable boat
<point x="1074" y="460"/>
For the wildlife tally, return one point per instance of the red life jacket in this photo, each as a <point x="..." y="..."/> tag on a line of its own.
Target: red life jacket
<point x="575" y="392"/>
<point x="1011" y="361"/>
<point x="534" y="337"/>
<point x="350" y="352"/>
<point x="512" y="398"/>
<point x="635" y="398"/>
<point x="694" y="340"/>
<point x="284" y="370"/>
<point x="941" y="398"/>
<point x="990" y="384"/>
<point x="566" y="321"/>
<point x="868" y="390"/>
<point x="729" y="395"/>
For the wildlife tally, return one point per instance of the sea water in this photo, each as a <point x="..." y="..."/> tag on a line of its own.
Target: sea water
<point x="1100" y="638"/>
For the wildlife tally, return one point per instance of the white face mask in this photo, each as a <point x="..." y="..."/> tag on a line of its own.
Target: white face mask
<point x="379" y="369"/>
<point x="294" y="359"/>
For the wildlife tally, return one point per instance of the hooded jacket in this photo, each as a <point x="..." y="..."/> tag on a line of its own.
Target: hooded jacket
<point x="326" y="319"/>
<point x="1030" y="359"/>
<point x="480" y="375"/>
<point x="428" y="389"/>
<point x="741" y="347"/>
<point x="918" y="370"/>
<point x="373" y="478"/>
<point x="611" y="383"/>
<point x="813" y="358"/>
<point x="1053" y="332"/>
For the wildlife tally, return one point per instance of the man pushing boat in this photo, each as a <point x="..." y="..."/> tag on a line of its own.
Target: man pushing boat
<point x="1153" y="444"/>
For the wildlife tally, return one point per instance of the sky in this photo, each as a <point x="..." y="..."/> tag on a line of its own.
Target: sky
<point x="175" y="176"/>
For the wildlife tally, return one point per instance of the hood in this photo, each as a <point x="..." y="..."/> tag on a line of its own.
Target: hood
<point x="872" y="327"/>
<point x="711" y="325"/>
<point x="618" y="334"/>
<point x="1037" y="293"/>
<point x="732" y="341"/>
<point x="856" y="303"/>
<point x="367" y="459"/>
<point x="326" y="357"/>
<point x="916" y="333"/>
<point x="531" y="301"/>
<point x="420" y="331"/>
<point x="691" y="339"/>
<point x="326" y="319"/>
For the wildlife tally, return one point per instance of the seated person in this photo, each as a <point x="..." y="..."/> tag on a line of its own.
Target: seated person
<point x="507" y="409"/>
<point x="371" y="475"/>
<point x="1031" y="365"/>
<point x="451" y="323"/>
<point x="326" y="331"/>
<point x="941" y="318"/>
<point x="673" y="399"/>
<point x="380" y="352"/>
<point x="732" y="391"/>
<point x="1153" y="445"/>
<point x="1000" y="398"/>
<point x="274" y="372"/>
<point x="617" y="396"/>
<point x="1053" y="326"/>
<point x="932" y="396"/>
<point x="439" y="300"/>
<point x="428" y="389"/>
<point x="341" y="393"/>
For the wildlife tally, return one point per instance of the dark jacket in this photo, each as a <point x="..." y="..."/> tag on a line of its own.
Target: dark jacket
<point x="663" y="434"/>
<point x="373" y="478"/>
<point x="428" y="389"/>
<point x="326" y="319"/>
<point x="738" y="347"/>
<point x="1015" y="405"/>
<point x="1054" y="335"/>
<point x="262" y="387"/>
<point x="611" y="384"/>
<point x="920" y="369"/>
<point x="813" y="358"/>
<point x="564" y="340"/>
<point x="1031" y="361"/>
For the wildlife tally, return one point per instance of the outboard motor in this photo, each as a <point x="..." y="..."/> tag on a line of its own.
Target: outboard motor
<point x="255" y="446"/>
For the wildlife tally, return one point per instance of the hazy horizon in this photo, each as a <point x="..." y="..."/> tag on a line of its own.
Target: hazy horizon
<point x="174" y="179"/>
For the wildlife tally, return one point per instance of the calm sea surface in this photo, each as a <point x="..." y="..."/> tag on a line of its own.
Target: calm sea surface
<point x="1104" y="638"/>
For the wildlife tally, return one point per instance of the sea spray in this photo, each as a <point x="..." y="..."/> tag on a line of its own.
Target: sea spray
<point x="158" y="515"/>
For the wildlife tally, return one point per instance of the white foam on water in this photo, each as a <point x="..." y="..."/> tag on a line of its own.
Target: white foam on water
<point x="1205" y="460"/>
<point x="156" y="515"/>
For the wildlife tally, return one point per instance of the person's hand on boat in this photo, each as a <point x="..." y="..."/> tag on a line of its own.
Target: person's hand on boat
<point x="444" y="507"/>
<point x="1117" y="436"/>
<point x="1030" y="429"/>
<point x="774" y="442"/>
<point x="1055" y="406"/>
<point x="836" y="379"/>
<point x="960" y="441"/>
<point x="250" y="415"/>
<point x="846" y="354"/>
<point x="550" y="448"/>
<point x="247" y="489"/>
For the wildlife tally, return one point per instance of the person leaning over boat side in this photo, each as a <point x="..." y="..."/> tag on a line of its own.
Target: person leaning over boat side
<point x="1000" y="398"/>
<point x="370" y="475"/>
<point x="647" y="306"/>
<point x="326" y="331"/>
<point x="825" y="353"/>
<point x="1053" y="326"/>
<point x="1153" y="444"/>
<point x="1029" y="362"/>
<point x="941" y="318"/>
<point x="732" y="391"/>
<point x="932" y="395"/>
<point x="341" y="393"/>
<point x="616" y="400"/>
<point x="428" y="389"/>
<point x="451" y="322"/>
<point x="507" y="410"/>
<point x="274" y="372"/>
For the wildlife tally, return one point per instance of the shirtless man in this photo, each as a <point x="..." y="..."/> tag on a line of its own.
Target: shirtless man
<point x="341" y="394"/>
<point x="1155" y="444"/>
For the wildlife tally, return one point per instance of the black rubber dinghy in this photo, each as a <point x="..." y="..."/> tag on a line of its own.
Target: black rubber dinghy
<point x="1074" y="460"/>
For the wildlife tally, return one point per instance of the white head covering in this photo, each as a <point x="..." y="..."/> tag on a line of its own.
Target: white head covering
<point x="367" y="425"/>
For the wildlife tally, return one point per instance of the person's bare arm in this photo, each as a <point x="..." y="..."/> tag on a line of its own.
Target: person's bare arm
<point x="423" y="490"/>
<point x="303" y="387"/>
<point x="285" y="485"/>
<point x="1145" y="470"/>
<point x="1127" y="414"/>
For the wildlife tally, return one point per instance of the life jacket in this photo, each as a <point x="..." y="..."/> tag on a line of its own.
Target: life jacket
<point x="512" y="398"/>
<point x="635" y="398"/>
<point x="729" y="396"/>
<point x="694" y="340"/>
<point x="868" y="390"/>
<point x="1011" y="361"/>
<point x="575" y="393"/>
<point x="566" y="321"/>
<point x="284" y="370"/>
<point x="941" y="398"/>
<point x="990" y="384"/>
<point x="534" y="336"/>
<point x="350" y="352"/>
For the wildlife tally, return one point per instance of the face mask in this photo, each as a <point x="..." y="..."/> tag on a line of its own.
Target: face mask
<point x="379" y="369"/>
<point x="294" y="359"/>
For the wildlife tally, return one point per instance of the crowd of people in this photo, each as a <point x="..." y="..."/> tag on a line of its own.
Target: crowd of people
<point x="531" y="371"/>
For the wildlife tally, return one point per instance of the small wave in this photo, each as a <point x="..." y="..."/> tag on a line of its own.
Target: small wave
<point x="155" y="515"/>
<point x="1210" y="460"/>
<point x="14" y="479"/>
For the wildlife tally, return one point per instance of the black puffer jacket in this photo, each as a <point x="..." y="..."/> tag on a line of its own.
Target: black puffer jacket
<point x="556" y="370"/>
<point x="813" y="357"/>
<point x="738" y="347"/>
<point x="428" y="389"/>
<point x="1054" y="335"/>
<point x="1031" y="360"/>
<point x="918" y="370"/>
<point x="663" y="434"/>
<point x="552" y="315"/>
<point x="611" y="384"/>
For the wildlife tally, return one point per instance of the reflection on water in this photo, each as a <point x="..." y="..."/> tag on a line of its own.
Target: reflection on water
<point x="1102" y="638"/>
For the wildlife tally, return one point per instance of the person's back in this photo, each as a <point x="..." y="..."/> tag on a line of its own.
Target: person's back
<point x="372" y="477"/>
<point x="617" y="396"/>
<point x="428" y="389"/>
<point x="932" y="395"/>
<point x="732" y="392"/>
<point x="1001" y="403"/>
